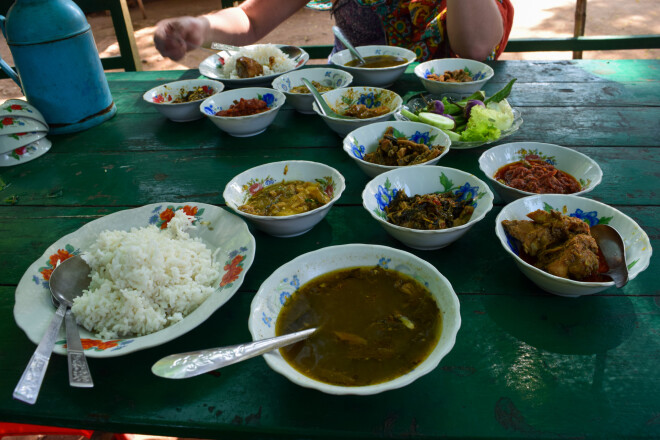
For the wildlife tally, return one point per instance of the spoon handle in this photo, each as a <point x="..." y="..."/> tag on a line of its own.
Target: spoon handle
<point x="183" y="365"/>
<point x="28" y="386"/>
<point x="79" y="374"/>
<point x="341" y="37"/>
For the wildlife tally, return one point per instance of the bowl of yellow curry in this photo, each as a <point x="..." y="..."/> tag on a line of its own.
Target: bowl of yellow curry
<point x="287" y="198"/>
<point x="383" y="318"/>
<point x="323" y="78"/>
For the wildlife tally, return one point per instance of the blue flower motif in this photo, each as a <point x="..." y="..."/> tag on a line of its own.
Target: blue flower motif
<point x="421" y="138"/>
<point x="209" y="110"/>
<point x="383" y="198"/>
<point x="384" y="262"/>
<point x="242" y="249"/>
<point x="427" y="73"/>
<point x="153" y="219"/>
<point x="468" y="192"/>
<point x="268" y="98"/>
<point x="479" y="75"/>
<point x="284" y="296"/>
<point x="269" y="181"/>
<point x="295" y="282"/>
<point x="156" y="209"/>
<point x="327" y="73"/>
<point x="590" y="217"/>
<point x="357" y="150"/>
<point x="36" y="280"/>
<point x="233" y="253"/>
<point x="267" y="320"/>
<point x="368" y="100"/>
<point x="551" y="162"/>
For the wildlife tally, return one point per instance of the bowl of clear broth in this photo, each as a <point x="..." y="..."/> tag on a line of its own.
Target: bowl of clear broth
<point x="323" y="78"/>
<point x="521" y="169"/>
<point x="286" y="198"/>
<point x="384" y="64"/>
<point x="384" y="318"/>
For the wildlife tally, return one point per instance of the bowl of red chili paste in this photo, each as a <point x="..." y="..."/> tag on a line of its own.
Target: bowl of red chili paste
<point x="243" y="112"/>
<point x="521" y="169"/>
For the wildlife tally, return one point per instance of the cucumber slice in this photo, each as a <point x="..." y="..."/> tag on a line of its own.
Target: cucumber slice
<point x="437" y="120"/>
<point x="410" y="115"/>
<point x="453" y="136"/>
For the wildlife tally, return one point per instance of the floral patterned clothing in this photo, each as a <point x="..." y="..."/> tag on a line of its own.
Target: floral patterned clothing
<point x="418" y="25"/>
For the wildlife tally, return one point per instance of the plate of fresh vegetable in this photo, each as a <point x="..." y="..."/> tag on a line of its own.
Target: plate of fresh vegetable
<point x="470" y="121"/>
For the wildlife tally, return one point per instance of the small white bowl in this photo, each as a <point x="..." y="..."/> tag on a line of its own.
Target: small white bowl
<point x="243" y="126"/>
<point x="20" y="124"/>
<point x="286" y="279"/>
<point x="341" y="99"/>
<point x="161" y="98"/>
<point x="365" y="140"/>
<point x="243" y="186"/>
<point x="583" y="168"/>
<point x="482" y="72"/>
<point x="380" y="191"/>
<point x="637" y="245"/>
<point x="376" y="77"/>
<point x="10" y="142"/>
<point x="326" y="76"/>
<point x="18" y="107"/>
<point x="25" y="153"/>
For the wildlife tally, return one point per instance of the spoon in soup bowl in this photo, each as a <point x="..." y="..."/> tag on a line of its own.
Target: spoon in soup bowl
<point x="610" y="243"/>
<point x="320" y="102"/>
<point x="341" y="37"/>
<point x="194" y="363"/>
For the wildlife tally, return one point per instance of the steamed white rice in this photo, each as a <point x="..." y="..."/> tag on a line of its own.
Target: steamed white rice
<point x="261" y="53"/>
<point x="145" y="279"/>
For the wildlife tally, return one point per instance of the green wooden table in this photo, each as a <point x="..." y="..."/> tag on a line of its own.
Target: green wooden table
<point x="526" y="364"/>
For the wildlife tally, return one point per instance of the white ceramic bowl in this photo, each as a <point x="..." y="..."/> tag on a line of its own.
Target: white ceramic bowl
<point x="326" y="76"/>
<point x="480" y="71"/>
<point x="285" y="280"/>
<point x="243" y="186"/>
<point x="25" y="153"/>
<point x="18" y="107"/>
<point x="243" y="126"/>
<point x="161" y="97"/>
<point x="376" y="77"/>
<point x="20" y="124"/>
<point x="637" y="245"/>
<point x="583" y="168"/>
<point x="341" y="99"/>
<point x="381" y="190"/>
<point x="10" y="142"/>
<point x="365" y="140"/>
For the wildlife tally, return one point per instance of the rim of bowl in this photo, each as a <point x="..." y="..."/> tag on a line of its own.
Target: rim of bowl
<point x="277" y="80"/>
<point x="380" y="387"/>
<point x="175" y="83"/>
<point x="593" y="185"/>
<point x="420" y="74"/>
<point x="256" y="115"/>
<point x="335" y="197"/>
<point x="498" y="226"/>
<point x="376" y="69"/>
<point x="394" y="167"/>
<point x="352" y="120"/>
<point x="473" y="220"/>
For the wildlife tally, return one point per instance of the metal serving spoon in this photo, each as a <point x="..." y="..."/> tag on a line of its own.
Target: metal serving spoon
<point x="341" y="37"/>
<point x="292" y="52"/>
<point x="67" y="282"/>
<point x="194" y="363"/>
<point x="320" y="102"/>
<point x="611" y="245"/>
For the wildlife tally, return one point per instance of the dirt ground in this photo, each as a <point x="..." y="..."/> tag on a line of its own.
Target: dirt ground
<point x="547" y="19"/>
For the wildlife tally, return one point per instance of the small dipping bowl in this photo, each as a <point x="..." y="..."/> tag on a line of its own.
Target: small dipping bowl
<point x="162" y="96"/>
<point x="480" y="72"/>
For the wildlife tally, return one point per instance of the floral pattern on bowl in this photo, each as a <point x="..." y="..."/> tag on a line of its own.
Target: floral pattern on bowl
<point x="18" y="107"/>
<point x="475" y="76"/>
<point x="217" y="228"/>
<point x="25" y="153"/>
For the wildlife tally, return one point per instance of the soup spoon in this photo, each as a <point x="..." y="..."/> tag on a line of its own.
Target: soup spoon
<point x="611" y="245"/>
<point x="194" y="363"/>
<point x="320" y="102"/>
<point x="341" y="37"/>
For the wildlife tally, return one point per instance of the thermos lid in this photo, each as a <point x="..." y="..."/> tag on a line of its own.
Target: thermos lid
<point x="40" y="21"/>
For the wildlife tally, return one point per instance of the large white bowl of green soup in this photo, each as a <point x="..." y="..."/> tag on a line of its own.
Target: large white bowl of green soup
<point x="287" y="198"/>
<point x="383" y="64"/>
<point x="323" y="78"/>
<point x="383" y="318"/>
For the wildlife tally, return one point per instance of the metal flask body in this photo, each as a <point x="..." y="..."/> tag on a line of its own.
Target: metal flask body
<point x="58" y="65"/>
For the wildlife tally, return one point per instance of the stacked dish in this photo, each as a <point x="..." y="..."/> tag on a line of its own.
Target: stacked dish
<point x="23" y="132"/>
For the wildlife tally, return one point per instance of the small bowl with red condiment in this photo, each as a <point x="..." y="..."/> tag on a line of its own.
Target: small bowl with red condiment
<point x="179" y="101"/>
<point x="243" y="112"/>
<point x="521" y="169"/>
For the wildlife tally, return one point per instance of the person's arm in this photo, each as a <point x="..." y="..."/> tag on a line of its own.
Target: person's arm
<point x="245" y="24"/>
<point x="474" y="27"/>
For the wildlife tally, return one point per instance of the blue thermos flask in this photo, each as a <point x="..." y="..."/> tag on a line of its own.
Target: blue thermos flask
<point x="58" y="65"/>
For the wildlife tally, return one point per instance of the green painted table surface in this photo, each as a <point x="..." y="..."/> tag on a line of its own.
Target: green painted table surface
<point x="526" y="364"/>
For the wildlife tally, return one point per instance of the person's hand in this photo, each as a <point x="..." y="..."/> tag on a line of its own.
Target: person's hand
<point x="176" y="36"/>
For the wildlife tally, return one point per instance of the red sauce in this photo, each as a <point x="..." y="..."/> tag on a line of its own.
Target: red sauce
<point x="537" y="176"/>
<point x="245" y="107"/>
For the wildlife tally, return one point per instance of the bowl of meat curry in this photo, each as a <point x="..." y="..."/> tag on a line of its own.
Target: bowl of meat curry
<point x="383" y="318"/>
<point x="549" y="237"/>
<point x="356" y="107"/>
<point x="287" y="198"/>
<point x="427" y="208"/>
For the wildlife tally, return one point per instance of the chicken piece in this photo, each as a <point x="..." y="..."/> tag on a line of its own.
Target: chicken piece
<point x="532" y="236"/>
<point x="248" y="68"/>
<point x="566" y="224"/>
<point x="577" y="258"/>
